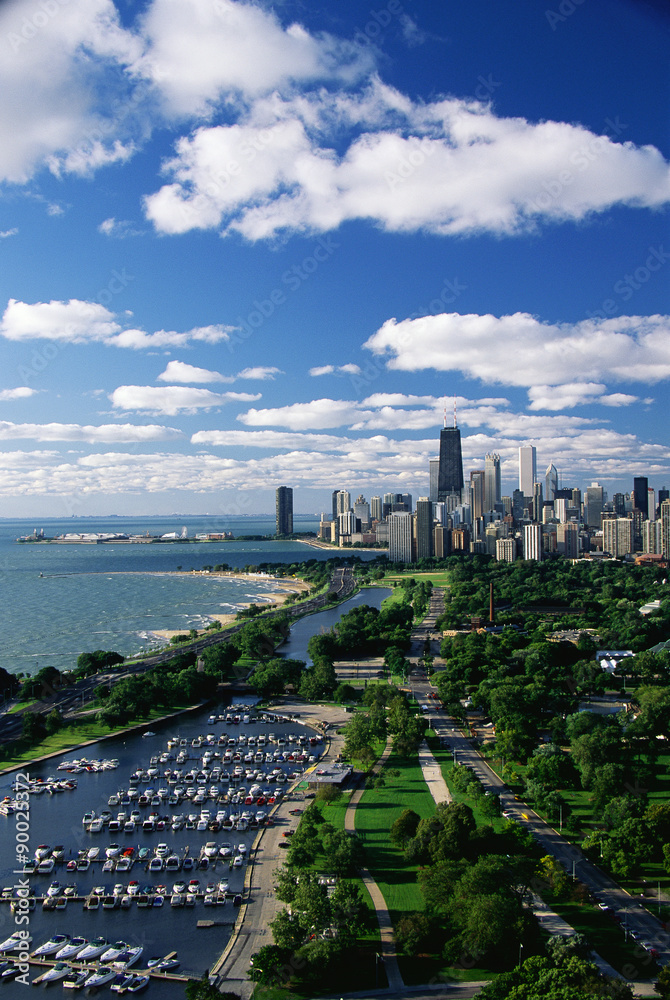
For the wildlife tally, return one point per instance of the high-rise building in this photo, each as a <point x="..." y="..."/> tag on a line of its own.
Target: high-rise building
<point x="362" y="512"/>
<point x="284" y="510"/>
<point x="450" y="471"/>
<point x="434" y="475"/>
<point x="376" y="508"/>
<point x="532" y="542"/>
<point x="518" y="505"/>
<point x="619" y="504"/>
<point x="663" y="494"/>
<point x="477" y="492"/>
<point x="333" y="502"/>
<point x="551" y="482"/>
<point x="594" y="502"/>
<point x="424" y="528"/>
<point x="538" y="502"/>
<point x="492" y="486"/>
<point x="346" y="523"/>
<point x="343" y="498"/>
<point x="505" y="550"/>
<point x="527" y="469"/>
<point x="400" y="537"/>
<point x="567" y="540"/>
<point x="617" y="536"/>
<point x="665" y="528"/>
<point x="651" y="537"/>
<point x="641" y="494"/>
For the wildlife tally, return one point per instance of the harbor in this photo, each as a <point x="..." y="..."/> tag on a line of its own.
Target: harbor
<point x="152" y="849"/>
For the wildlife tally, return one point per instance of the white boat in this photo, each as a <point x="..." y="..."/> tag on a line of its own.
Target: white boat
<point x="138" y="983"/>
<point x="147" y="734"/>
<point x="93" y="950"/>
<point x="57" y="971"/>
<point x="12" y="943"/>
<point x="75" y="979"/>
<point x="129" y="957"/>
<point x="163" y="964"/>
<point x="114" y="951"/>
<point x="72" y="948"/>
<point x="51" y="946"/>
<point x="46" y="866"/>
<point x="103" y="974"/>
<point x="121" y="982"/>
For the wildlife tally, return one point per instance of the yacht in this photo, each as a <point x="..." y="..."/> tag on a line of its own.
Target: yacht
<point x="51" y="946"/>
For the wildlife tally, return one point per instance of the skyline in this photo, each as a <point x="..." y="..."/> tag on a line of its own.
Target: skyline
<point x="246" y="246"/>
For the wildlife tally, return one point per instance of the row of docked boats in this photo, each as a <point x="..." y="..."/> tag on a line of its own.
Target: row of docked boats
<point x="82" y="765"/>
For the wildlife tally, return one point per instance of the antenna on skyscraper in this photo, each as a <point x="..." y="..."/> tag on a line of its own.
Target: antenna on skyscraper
<point x="445" y="412"/>
<point x="455" y="424"/>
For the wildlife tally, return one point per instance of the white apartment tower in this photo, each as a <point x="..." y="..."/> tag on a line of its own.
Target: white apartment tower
<point x="527" y="469"/>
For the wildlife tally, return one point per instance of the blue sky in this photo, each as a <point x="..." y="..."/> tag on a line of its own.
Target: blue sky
<point x="250" y="245"/>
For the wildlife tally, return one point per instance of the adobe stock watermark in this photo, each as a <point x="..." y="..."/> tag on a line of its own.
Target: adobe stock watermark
<point x="578" y="161"/>
<point x="566" y="9"/>
<point x="624" y="289"/>
<point x="32" y="24"/>
<point x="452" y="289"/>
<point x="40" y="358"/>
<point x="423" y="148"/>
<point x="379" y="19"/>
<point x="21" y="905"/>
<point x="291" y="280"/>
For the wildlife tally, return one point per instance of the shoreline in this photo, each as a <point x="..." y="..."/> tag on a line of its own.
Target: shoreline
<point x="341" y="549"/>
<point x="268" y="599"/>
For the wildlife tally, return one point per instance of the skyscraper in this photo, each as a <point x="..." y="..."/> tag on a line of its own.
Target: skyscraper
<point x="665" y="528"/>
<point x="532" y="542"/>
<point x="594" y="502"/>
<point x="424" y="528"/>
<point x="376" y="508"/>
<point x="434" y="475"/>
<point x="400" y="537"/>
<point x="492" y="487"/>
<point x="641" y="494"/>
<point x="284" y="510"/>
<point x="343" y="501"/>
<point x="450" y="470"/>
<point x="551" y="482"/>
<point x="477" y="492"/>
<point x="527" y="469"/>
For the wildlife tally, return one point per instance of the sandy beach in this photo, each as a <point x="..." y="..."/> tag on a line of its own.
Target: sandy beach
<point x="270" y="598"/>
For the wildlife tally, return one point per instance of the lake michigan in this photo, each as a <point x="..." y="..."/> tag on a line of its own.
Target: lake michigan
<point x="61" y="600"/>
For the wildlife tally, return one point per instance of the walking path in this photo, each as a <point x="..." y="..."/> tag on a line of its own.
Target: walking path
<point x="389" y="956"/>
<point x="432" y="775"/>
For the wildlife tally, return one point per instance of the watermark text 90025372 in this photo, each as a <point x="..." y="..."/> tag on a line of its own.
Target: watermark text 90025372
<point x="21" y="905"/>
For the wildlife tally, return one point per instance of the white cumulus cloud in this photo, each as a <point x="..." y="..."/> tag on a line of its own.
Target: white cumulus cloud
<point x="179" y="371"/>
<point x="173" y="399"/>
<point x="21" y="392"/>
<point x="447" y="167"/>
<point x="524" y="351"/>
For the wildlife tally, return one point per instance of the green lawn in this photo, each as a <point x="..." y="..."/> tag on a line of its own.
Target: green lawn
<point x="378" y="809"/>
<point x="73" y="736"/>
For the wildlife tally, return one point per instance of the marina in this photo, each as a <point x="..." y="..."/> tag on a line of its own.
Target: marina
<point x="153" y="851"/>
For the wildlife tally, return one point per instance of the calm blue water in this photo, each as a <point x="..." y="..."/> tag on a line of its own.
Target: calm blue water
<point x="295" y="648"/>
<point x="100" y="596"/>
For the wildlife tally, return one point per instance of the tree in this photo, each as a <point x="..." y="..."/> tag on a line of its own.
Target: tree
<point x="344" y="851"/>
<point x="33" y="728"/>
<point x="203" y="990"/>
<point x="54" y="722"/>
<point x="267" y="964"/>
<point x="404" y="828"/>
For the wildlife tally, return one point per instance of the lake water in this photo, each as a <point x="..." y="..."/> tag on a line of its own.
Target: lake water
<point x="102" y="596"/>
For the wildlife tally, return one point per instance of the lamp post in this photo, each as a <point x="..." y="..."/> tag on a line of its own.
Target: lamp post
<point x="520" y="950"/>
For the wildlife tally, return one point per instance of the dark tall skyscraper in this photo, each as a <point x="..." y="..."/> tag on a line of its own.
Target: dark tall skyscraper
<point x="640" y="495"/>
<point x="450" y="474"/>
<point x="284" y="510"/>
